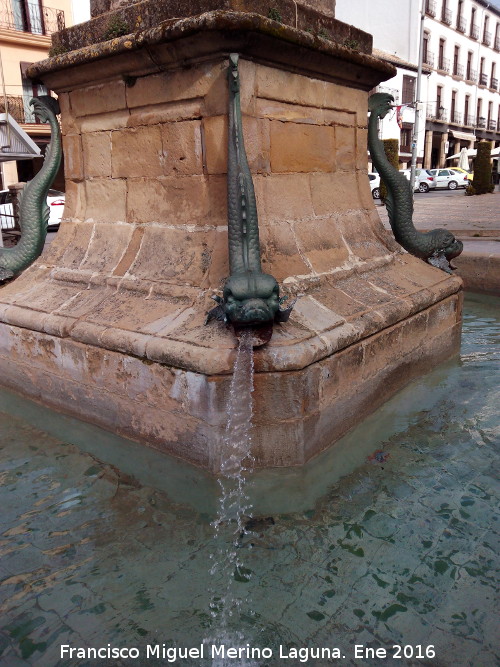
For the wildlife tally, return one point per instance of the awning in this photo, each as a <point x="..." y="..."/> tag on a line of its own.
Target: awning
<point x="472" y="152"/>
<point x="15" y="144"/>
<point x="466" y="136"/>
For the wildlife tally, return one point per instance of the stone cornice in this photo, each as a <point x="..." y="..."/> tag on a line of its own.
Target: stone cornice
<point x="36" y="129"/>
<point x="25" y="38"/>
<point x="140" y="16"/>
<point x="252" y="34"/>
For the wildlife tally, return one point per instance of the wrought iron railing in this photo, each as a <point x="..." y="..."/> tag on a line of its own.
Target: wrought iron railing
<point x="15" y="106"/>
<point x="428" y="58"/>
<point x="492" y="125"/>
<point x="471" y="75"/>
<point x="391" y="91"/>
<point x="497" y="43"/>
<point x="461" y="24"/>
<point x="456" y="117"/>
<point x="481" y="122"/>
<point x="470" y="120"/>
<point x="458" y="70"/>
<point x="430" y="7"/>
<point x="30" y="17"/>
<point x="444" y="64"/>
<point x="494" y="83"/>
<point x="18" y="107"/>
<point x="446" y="16"/>
<point x="483" y="79"/>
<point x="486" y="38"/>
<point x="442" y="114"/>
<point x="474" y="31"/>
<point x="436" y="112"/>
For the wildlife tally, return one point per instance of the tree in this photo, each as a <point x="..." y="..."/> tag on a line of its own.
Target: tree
<point x="482" y="182"/>
<point x="391" y="148"/>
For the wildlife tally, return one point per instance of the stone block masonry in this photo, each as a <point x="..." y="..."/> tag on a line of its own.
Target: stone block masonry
<point x="108" y="324"/>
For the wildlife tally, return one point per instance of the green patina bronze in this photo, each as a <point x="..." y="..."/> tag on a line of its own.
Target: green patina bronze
<point x="250" y="297"/>
<point x="33" y="209"/>
<point x="438" y="246"/>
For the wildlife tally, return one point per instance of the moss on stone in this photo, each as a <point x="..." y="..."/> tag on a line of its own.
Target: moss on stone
<point x="274" y="14"/>
<point x="57" y="50"/>
<point x="117" y="27"/>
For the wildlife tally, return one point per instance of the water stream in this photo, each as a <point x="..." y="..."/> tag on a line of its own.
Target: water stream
<point x="234" y="508"/>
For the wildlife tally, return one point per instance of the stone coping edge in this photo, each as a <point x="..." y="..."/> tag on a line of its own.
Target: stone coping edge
<point x="148" y="13"/>
<point x="227" y="21"/>
<point x="209" y="361"/>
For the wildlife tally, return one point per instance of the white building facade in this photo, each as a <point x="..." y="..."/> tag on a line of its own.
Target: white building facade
<point x="460" y="99"/>
<point x="462" y="48"/>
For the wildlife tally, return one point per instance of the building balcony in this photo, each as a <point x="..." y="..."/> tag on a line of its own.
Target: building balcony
<point x="18" y="107"/>
<point x="444" y="65"/>
<point x="456" y="117"/>
<point x="390" y="91"/>
<point x="458" y="70"/>
<point x="428" y="58"/>
<point x="474" y="32"/>
<point x="31" y="18"/>
<point x="470" y="121"/>
<point x="461" y="24"/>
<point x="435" y="112"/>
<point x="430" y="8"/>
<point x="483" y="79"/>
<point x="487" y="38"/>
<point x="494" y="83"/>
<point x="492" y="125"/>
<point x="481" y="122"/>
<point x="496" y="46"/>
<point x="446" y="16"/>
<point x="471" y="75"/>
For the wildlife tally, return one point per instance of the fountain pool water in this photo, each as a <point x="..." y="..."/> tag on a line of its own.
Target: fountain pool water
<point x="401" y="550"/>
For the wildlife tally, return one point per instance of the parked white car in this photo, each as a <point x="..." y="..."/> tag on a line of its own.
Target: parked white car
<point x="375" y="185"/>
<point x="450" y="178"/>
<point x="55" y="201"/>
<point x="424" y="180"/>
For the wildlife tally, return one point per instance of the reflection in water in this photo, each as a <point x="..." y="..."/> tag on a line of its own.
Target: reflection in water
<point x="403" y="550"/>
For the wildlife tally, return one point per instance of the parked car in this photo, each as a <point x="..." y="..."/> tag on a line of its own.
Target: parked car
<point x="470" y="174"/>
<point x="449" y="178"/>
<point x="6" y="212"/>
<point x="55" y="200"/>
<point x="375" y="185"/>
<point x="424" y="180"/>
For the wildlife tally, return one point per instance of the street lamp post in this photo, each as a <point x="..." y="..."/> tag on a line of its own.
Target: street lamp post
<point x="414" y="140"/>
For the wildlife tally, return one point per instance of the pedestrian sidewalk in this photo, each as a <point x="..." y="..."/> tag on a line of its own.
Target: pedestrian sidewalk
<point x="475" y="221"/>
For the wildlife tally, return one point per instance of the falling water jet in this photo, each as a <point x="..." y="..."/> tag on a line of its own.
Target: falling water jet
<point x="234" y="503"/>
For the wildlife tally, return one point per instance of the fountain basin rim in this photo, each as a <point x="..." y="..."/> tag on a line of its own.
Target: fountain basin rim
<point x="281" y="354"/>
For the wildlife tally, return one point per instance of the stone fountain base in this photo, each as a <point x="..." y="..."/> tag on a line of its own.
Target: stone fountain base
<point x="108" y="324"/>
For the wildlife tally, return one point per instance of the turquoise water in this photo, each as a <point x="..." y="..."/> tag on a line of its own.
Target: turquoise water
<point x="388" y="540"/>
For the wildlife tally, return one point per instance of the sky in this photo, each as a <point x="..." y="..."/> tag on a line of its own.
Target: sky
<point x="81" y="9"/>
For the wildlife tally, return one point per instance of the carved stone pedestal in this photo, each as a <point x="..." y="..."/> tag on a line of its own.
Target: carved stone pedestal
<point x="108" y="324"/>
